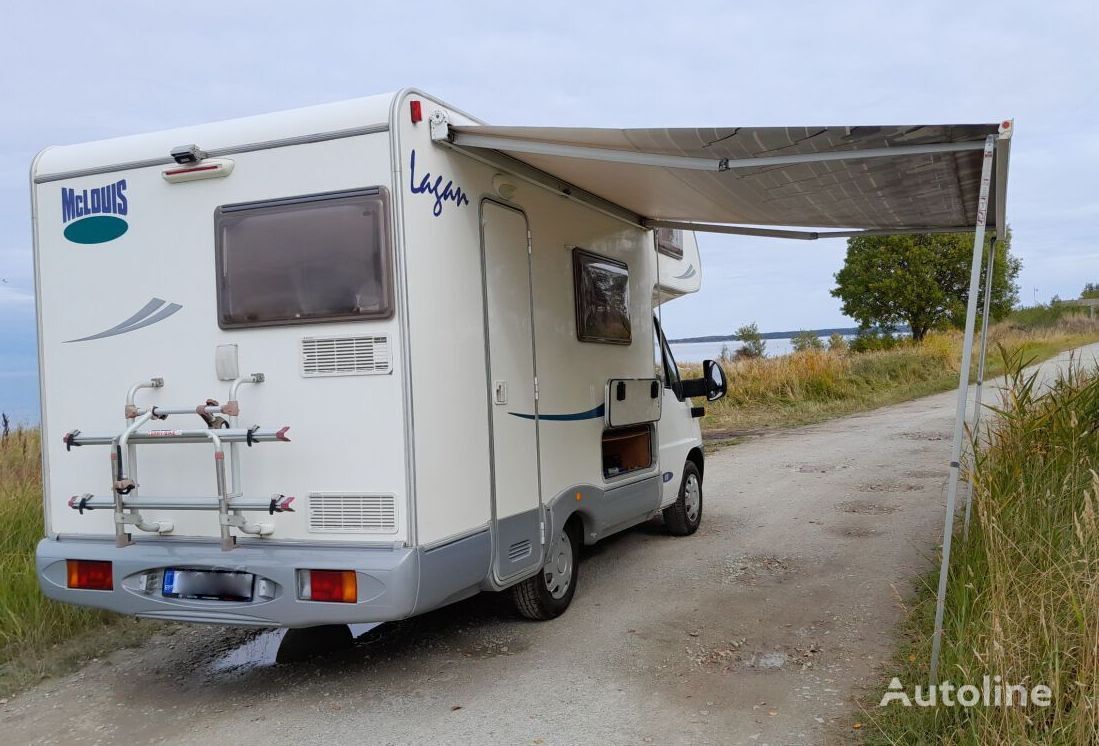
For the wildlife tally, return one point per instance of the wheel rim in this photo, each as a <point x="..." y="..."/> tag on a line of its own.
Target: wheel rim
<point x="557" y="571"/>
<point x="692" y="498"/>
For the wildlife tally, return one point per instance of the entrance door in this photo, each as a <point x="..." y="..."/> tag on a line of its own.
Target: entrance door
<point x="513" y="407"/>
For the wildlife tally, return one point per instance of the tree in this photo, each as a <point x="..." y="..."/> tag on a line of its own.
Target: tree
<point x="837" y="343"/>
<point x="920" y="280"/>
<point x="804" y="341"/>
<point x="1091" y="290"/>
<point x="754" y="346"/>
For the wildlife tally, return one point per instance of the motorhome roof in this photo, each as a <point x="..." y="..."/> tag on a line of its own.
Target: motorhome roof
<point x="352" y="116"/>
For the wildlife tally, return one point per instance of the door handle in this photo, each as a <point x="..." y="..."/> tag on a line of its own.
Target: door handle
<point x="500" y="392"/>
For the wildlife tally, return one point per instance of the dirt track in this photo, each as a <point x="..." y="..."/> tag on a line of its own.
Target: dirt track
<point x="760" y="629"/>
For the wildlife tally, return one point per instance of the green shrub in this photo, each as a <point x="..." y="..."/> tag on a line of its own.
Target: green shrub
<point x="754" y="346"/>
<point x="806" y="340"/>
<point x="873" y="340"/>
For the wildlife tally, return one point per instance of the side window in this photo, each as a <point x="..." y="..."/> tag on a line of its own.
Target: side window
<point x="322" y="257"/>
<point x="671" y="370"/>
<point x="670" y="241"/>
<point x="658" y="353"/>
<point x="602" y="288"/>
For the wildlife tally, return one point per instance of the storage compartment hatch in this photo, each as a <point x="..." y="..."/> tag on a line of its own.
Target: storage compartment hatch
<point x="632" y="401"/>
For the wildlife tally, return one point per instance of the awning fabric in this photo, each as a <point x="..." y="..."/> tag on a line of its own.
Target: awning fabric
<point x="799" y="182"/>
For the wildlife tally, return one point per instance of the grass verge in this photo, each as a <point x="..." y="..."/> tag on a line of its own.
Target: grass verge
<point x="816" y="385"/>
<point x="39" y="637"/>
<point x="1023" y="599"/>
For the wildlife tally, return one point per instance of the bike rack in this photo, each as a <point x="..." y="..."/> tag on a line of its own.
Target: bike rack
<point x="229" y="502"/>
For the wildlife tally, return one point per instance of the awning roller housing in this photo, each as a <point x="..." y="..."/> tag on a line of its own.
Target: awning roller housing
<point x="887" y="179"/>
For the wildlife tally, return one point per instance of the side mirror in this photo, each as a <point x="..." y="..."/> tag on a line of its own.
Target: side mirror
<point x="714" y="375"/>
<point x="712" y="384"/>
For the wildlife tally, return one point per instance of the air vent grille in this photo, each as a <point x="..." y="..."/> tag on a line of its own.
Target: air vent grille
<point x="519" y="550"/>
<point x="345" y="356"/>
<point x="351" y="513"/>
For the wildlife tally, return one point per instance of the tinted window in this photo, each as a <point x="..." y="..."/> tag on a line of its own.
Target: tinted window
<point x="318" y="258"/>
<point x="671" y="370"/>
<point x="602" y="298"/>
<point x="670" y="241"/>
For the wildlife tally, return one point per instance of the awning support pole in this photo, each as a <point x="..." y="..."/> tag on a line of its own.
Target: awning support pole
<point x="980" y="373"/>
<point x="963" y="397"/>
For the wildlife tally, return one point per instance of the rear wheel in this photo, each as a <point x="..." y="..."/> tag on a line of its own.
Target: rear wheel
<point x="548" y="594"/>
<point x="684" y="515"/>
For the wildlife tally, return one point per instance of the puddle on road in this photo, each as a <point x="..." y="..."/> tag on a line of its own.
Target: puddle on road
<point x="262" y="650"/>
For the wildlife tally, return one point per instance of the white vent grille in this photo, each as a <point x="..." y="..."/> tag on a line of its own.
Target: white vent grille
<point x="349" y="513"/>
<point x="345" y="356"/>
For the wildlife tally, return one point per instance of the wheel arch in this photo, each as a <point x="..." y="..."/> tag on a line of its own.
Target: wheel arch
<point x="565" y="507"/>
<point x="698" y="458"/>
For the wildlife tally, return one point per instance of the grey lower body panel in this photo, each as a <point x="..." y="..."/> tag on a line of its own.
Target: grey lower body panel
<point x="519" y="543"/>
<point x="607" y="511"/>
<point x="392" y="583"/>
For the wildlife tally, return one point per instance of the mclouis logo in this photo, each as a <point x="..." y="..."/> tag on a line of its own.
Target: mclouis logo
<point x="94" y="215"/>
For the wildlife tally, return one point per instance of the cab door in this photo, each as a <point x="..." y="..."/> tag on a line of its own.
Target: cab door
<point x="678" y="431"/>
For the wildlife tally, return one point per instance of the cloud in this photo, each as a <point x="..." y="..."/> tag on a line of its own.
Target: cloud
<point x="707" y="63"/>
<point x="10" y="296"/>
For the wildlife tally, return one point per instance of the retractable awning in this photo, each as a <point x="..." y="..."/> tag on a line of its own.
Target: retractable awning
<point x="889" y="179"/>
<point x="845" y="180"/>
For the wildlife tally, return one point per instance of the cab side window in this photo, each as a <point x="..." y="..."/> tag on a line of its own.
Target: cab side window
<point x="670" y="369"/>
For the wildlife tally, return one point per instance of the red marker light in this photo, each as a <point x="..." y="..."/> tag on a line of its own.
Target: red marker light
<point x="416" y="110"/>
<point x="338" y="586"/>
<point x="90" y="575"/>
<point x="192" y="170"/>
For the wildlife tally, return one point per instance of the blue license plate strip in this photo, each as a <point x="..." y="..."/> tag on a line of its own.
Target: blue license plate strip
<point x="207" y="585"/>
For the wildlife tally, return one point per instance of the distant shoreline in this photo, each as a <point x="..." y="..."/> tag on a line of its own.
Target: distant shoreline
<point x="845" y="331"/>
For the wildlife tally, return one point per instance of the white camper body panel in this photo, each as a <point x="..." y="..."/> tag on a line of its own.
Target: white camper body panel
<point x="345" y="431"/>
<point x="484" y="434"/>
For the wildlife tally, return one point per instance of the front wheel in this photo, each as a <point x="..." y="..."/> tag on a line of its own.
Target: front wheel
<point x="549" y="593"/>
<point x="684" y="515"/>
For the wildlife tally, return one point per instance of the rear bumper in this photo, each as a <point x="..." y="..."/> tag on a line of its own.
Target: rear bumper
<point x="388" y="581"/>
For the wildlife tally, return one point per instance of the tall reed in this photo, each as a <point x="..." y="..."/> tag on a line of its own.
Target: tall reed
<point x="28" y="620"/>
<point x="1023" y="600"/>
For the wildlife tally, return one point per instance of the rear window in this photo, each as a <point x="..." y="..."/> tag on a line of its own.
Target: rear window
<point x="323" y="257"/>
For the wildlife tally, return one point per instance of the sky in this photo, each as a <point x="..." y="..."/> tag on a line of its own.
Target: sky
<point x="74" y="72"/>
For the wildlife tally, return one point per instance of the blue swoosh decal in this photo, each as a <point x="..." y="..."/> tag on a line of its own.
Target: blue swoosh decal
<point x="591" y="414"/>
<point x="689" y="272"/>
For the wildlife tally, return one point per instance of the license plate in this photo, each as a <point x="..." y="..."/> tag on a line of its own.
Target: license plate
<point x="211" y="585"/>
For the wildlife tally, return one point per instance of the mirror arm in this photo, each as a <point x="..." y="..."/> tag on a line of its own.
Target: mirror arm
<point x="693" y="387"/>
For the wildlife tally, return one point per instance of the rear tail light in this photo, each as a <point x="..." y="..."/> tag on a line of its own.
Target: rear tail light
<point x="339" y="586"/>
<point x="90" y="575"/>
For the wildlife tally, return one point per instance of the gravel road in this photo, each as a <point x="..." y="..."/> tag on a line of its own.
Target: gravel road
<point x="762" y="628"/>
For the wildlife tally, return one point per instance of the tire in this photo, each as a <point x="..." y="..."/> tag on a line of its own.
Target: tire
<point x="683" y="517"/>
<point x="547" y="594"/>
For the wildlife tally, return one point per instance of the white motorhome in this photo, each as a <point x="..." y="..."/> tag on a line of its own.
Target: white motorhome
<point x="322" y="366"/>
